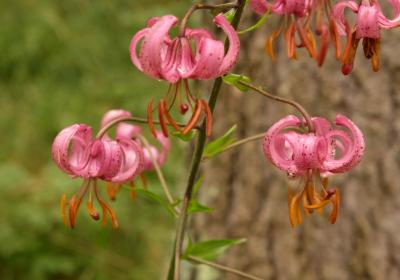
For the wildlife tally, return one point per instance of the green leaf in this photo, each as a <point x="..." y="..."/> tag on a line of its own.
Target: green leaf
<point x="234" y="79"/>
<point x="194" y="206"/>
<point x="257" y="24"/>
<point x="186" y="137"/>
<point x="155" y="197"/>
<point x="211" y="249"/>
<point x="215" y="147"/>
<point x="229" y="15"/>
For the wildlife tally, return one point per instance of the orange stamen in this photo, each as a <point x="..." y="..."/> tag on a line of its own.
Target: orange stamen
<point x="63" y="201"/>
<point x="294" y="211"/>
<point x="289" y="38"/>
<point x="106" y="209"/>
<point x="194" y="119"/>
<point x="336" y="38"/>
<point x="305" y="40"/>
<point x="335" y="211"/>
<point x="169" y="117"/>
<point x="144" y="181"/>
<point x="324" y="45"/>
<point x="209" y="117"/>
<point x="150" y="118"/>
<point x="161" y="111"/>
<point x="71" y="211"/>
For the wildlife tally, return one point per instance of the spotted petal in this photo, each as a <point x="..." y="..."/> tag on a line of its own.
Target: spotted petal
<point x="352" y="147"/>
<point x="395" y="21"/>
<point x="70" y="148"/>
<point x="276" y="147"/>
<point x="132" y="162"/>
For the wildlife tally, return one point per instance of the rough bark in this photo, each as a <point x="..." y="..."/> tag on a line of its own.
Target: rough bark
<point x="250" y="195"/>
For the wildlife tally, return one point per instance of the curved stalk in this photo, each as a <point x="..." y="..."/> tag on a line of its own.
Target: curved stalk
<point x="199" y="6"/>
<point x="196" y="159"/>
<point x="224" y="268"/>
<point x="160" y="175"/>
<point x="283" y="100"/>
<point x="130" y="119"/>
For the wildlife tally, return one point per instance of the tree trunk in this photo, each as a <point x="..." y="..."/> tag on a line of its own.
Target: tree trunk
<point x="250" y="195"/>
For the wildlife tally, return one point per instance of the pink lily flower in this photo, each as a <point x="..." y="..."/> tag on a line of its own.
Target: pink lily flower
<point x="129" y="131"/>
<point x="173" y="60"/>
<point x="370" y="20"/>
<point x="298" y="17"/>
<point x="76" y="153"/>
<point x="325" y="152"/>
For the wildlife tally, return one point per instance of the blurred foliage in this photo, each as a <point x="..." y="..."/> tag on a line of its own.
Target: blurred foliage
<point x="65" y="62"/>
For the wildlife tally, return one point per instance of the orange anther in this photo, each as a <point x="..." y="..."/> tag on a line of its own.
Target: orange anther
<point x="194" y="119"/>
<point x="209" y="117"/>
<point x="150" y="118"/>
<point x="161" y="111"/>
<point x="63" y="201"/>
<point x="169" y="117"/>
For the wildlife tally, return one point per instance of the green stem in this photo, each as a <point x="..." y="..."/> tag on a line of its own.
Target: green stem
<point x="224" y="268"/>
<point x="196" y="159"/>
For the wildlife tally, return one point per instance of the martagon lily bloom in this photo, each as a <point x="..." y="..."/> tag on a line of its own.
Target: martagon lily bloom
<point x="300" y="17"/>
<point x="129" y="131"/>
<point x="313" y="157"/>
<point x="370" y="20"/>
<point x="78" y="154"/>
<point x="193" y="54"/>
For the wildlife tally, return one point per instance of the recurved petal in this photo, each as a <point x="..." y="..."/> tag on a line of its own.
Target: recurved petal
<point x="232" y="54"/>
<point x="197" y="34"/>
<point x="395" y="21"/>
<point x="208" y="59"/>
<point x="111" y="158"/>
<point x="338" y="15"/>
<point x="133" y="46"/>
<point x="132" y="161"/>
<point x="153" y="45"/>
<point x="127" y="131"/>
<point x="351" y="146"/>
<point x="70" y="148"/>
<point x="322" y="126"/>
<point x="309" y="151"/>
<point x="276" y="146"/>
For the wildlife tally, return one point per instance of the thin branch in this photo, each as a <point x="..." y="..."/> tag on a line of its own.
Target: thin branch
<point x="224" y="268"/>
<point x="283" y="100"/>
<point x="199" y="6"/>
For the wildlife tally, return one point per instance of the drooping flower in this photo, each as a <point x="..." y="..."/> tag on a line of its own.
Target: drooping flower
<point x="299" y="17"/>
<point x="78" y="154"/>
<point x="193" y="54"/>
<point x="313" y="157"/>
<point x="369" y="22"/>
<point x="133" y="132"/>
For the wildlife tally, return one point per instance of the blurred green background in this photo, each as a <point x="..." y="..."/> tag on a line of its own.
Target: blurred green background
<point x="65" y="62"/>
